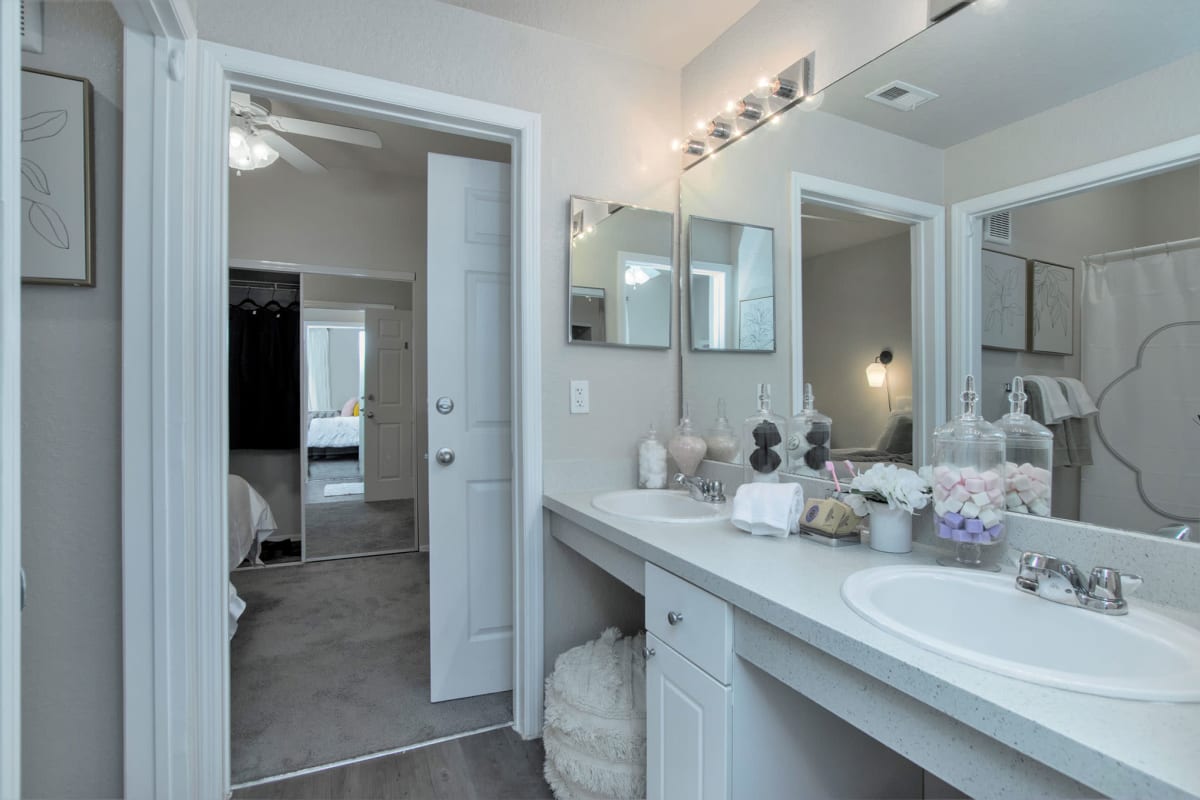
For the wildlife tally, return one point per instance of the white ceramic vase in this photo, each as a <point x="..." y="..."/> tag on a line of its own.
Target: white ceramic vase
<point x="891" y="529"/>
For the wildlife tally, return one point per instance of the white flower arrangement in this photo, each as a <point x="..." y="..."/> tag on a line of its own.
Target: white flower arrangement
<point x="898" y="488"/>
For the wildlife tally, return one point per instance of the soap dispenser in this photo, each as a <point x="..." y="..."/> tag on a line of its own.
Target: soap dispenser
<point x="762" y="440"/>
<point x="968" y="485"/>
<point x="685" y="446"/>
<point x="1029" y="457"/>
<point x="809" y="436"/>
<point x="721" y="440"/>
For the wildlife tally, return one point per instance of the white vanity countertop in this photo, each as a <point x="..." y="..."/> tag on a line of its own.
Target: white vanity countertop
<point x="1123" y="748"/>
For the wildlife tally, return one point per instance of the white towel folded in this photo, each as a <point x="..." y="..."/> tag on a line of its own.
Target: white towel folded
<point x="768" y="509"/>
<point x="1078" y="398"/>
<point x="1056" y="406"/>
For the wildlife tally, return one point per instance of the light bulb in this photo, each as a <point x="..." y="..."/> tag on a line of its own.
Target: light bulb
<point x="876" y="373"/>
<point x="674" y="145"/>
<point x="701" y="124"/>
<point x="762" y="87"/>
<point x="261" y="153"/>
<point x="239" y="150"/>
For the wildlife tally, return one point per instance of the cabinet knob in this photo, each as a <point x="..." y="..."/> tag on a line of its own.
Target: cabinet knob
<point x="647" y="652"/>
<point x="674" y="617"/>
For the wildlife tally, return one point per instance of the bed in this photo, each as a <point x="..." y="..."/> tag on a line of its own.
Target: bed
<point x="894" y="445"/>
<point x="331" y="435"/>
<point x="250" y="523"/>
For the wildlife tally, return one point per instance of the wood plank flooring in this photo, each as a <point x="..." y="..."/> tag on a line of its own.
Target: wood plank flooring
<point x="497" y="765"/>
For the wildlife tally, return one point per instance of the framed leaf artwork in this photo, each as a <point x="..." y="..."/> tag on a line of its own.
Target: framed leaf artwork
<point x="1052" y="308"/>
<point x="57" y="207"/>
<point x="1005" y="301"/>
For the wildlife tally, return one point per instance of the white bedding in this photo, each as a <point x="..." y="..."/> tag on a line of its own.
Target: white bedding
<point x="250" y="522"/>
<point x="333" y="431"/>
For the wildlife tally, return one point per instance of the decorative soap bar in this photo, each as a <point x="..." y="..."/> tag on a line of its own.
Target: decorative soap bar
<point x="1027" y="489"/>
<point x="830" y="516"/>
<point x="969" y="504"/>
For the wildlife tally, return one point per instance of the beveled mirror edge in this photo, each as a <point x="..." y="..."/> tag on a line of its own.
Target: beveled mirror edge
<point x="685" y="283"/>
<point x="674" y="258"/>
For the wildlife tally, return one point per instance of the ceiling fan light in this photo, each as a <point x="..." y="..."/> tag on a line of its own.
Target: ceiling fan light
<point x="240" y="156"/>
<point x="261" y="153"/>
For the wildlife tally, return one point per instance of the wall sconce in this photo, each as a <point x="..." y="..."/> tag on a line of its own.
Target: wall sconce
<point x="719" y="129"/>
<point x="877" y="373"/>
<point x="784" y="89"/>
<point x="748" y="110"/>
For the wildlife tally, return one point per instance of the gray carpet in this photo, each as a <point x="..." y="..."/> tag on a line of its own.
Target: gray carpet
<point x="331" y="661"/>
<point x="352" y="526"/>
<point x="324" y="469"/>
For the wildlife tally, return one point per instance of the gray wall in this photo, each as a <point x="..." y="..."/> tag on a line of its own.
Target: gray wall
<point x="856" y="303"/>
<point x="344" y="372"/>
<point x="71" y="462"/>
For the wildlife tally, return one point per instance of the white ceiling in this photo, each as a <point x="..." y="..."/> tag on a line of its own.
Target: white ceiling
<point x="404" y="150"/>
<point x="839" y="230"/>
<point x="666" y="32"/>
<point x="999" y="61"/>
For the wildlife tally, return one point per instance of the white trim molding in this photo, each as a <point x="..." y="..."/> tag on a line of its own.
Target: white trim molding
<point x="966" y="234"/>
<point x="176" y="457"/>
<point x="10" y="398"/>
<point x="928" y="244"/>
<point x="321" y="269"/>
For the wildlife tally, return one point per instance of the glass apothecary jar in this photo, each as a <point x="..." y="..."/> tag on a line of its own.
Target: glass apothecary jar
<point x="721" y="440"/>
<point x="686" y="447"/>
<point x="652" y="461"/>
<point x="968" y="485"/>
<point x="1029" y="457"/>
<point x="763" y="441"/>
<point x="809" y="436"/>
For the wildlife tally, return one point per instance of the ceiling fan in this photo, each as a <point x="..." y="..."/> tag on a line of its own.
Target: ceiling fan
<point x="254" y="140"/>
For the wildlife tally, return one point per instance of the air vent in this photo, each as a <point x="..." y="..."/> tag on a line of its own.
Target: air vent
<point x="31" y="25"/>
<point x="900" y="95"/>
<point x="998" y="228"/>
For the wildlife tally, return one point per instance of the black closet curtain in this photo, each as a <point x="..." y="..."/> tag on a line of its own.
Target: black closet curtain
<point x="264" y="379"/>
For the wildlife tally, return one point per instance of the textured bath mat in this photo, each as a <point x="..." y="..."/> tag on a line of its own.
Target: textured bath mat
<point x="339" y="489"/>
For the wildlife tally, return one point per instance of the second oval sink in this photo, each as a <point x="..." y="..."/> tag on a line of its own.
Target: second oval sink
<point x="984" y="620"/>
<point x="659" y="505"/>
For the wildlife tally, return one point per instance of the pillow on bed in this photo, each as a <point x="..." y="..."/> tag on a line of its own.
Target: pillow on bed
<point x="350" y="409"/>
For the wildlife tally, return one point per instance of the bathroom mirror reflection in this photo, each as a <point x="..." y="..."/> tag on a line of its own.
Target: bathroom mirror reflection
<point x="974" y="126"/>
<point x="621" y="274"/>
<point x="731" y="280"/>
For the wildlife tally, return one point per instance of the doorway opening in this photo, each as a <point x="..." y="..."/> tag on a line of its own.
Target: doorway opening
<point x="339" y="253"/>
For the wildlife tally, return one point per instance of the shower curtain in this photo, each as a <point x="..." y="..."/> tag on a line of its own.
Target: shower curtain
<point x="1141" y="362"/>
<point x="319" y="398"/>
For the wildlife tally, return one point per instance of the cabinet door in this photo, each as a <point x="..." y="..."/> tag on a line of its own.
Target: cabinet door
<point x="687" y="728"/>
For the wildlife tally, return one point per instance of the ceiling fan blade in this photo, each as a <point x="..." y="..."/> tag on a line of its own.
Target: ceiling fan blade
<point x="323" y="130"/>
<point x="291" y="154"/>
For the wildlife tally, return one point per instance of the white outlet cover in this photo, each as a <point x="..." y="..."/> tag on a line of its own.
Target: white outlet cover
<point x="580" y="401"/>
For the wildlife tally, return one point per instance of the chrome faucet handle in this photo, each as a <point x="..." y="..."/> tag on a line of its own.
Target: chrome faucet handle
<point x="1106" y="583"/>
<point x="716" y="492"/>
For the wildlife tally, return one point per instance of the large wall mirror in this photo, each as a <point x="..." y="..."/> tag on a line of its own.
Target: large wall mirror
<point x="996" y="96"/>
<point x="731" y="280"/>
<point x="622" y="274"/>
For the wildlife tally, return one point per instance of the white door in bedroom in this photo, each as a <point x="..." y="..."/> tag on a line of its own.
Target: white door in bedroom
<point x="389" y="425"/>
<point x="470" y="428"/>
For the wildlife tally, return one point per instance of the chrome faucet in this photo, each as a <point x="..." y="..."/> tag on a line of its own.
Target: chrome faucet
<point x="1061" y="581"/>
<point x="702" y="489"/>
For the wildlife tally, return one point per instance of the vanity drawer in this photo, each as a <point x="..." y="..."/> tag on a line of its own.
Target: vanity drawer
<point x="702" y="630"/>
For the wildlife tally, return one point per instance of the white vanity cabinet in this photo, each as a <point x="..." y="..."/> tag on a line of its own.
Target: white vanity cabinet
<point x="689" y="702"/>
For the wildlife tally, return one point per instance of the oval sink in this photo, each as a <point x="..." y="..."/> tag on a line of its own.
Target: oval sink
<point x="984" y="620"/>
<point x="659" y="505"/>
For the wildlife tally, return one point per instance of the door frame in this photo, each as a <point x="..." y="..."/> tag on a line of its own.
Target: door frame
<point x="11" y="592"/>
<point x="927" y="242"/>
<point x="175" y="640"/>
<point x="966" y="234"/>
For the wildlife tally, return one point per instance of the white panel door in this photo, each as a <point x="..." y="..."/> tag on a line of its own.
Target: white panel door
<point x="389" y="425"/>
<point x="470" y="428"/>
<point x="687" y="728"/>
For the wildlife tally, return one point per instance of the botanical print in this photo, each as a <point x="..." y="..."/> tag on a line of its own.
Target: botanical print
<point x="756" y="324"/>
<point x="43" y="218"/>
<point x="1004" y="301"/>
<point x="1053" y="308"/>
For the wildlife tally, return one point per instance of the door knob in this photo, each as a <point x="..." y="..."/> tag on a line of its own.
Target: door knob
<point x="370" y="415"/>
<point x="445" y="456"/>
<point x="444" y="405"/>
<point x="647" y="652"/>
<point x="674" y="617"/>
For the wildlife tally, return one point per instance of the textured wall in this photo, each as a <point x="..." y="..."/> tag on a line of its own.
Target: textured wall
<point x="71" y="462"/>
<point x="606" y="121"/>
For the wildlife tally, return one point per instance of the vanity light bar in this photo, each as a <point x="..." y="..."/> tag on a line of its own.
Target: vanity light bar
<point x="770" y="98"/>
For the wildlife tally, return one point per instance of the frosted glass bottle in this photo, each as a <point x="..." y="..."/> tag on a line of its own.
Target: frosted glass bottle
<point x="1029" y="457"/>
<point x="686" y="447"/>
<point x="652" y="461"/>
<point x="809" y="435"/>
<point x="968" y="485"/>
<point x="762" y="440"/>
<point x="721" y="440"/>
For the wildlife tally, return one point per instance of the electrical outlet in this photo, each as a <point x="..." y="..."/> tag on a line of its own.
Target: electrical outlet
<point x="580" y="404"/>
